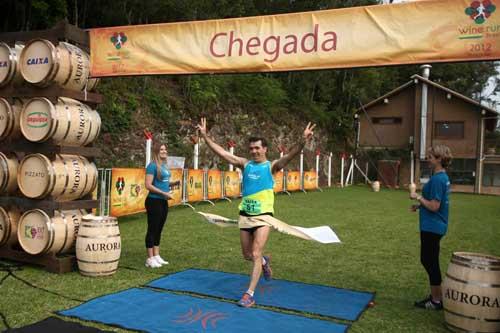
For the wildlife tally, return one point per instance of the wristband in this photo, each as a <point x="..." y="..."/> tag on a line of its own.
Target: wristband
<point x="419" y="197"/>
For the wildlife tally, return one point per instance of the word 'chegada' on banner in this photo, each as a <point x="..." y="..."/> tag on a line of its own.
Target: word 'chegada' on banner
<point x="406" y="33"/>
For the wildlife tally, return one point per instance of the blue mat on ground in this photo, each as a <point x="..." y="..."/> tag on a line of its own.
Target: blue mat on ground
<point x="155" y="311"/>
<point x="311" y="298"/>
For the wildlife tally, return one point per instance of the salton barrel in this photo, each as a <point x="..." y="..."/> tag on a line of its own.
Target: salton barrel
<point x="9" y="119"/>
<point x="9" y="218"/>
<point x="8" y="173"/>
<point x="471" y="293"/>
<point x="9" y="64"/>
<point x="39" y="233"/>
<point x="68" y="122"/>
<point x="98" y="245"/>
<point x="66" y="178"/>
<point x="43" y="64"/>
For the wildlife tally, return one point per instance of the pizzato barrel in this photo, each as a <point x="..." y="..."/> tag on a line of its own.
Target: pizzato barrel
<point x="9" y="119"/>
<point x="98" y="245"/>
<point x="9" y="64"/>
<point x="9" y="218"/>
<point x="67" y="177"/>
<point x="39" y="233"/>
<point x="8" y="173"/>
<point x="42" y="63"/>
<point x="471" y="293"/>
<point x="68" y="122"/>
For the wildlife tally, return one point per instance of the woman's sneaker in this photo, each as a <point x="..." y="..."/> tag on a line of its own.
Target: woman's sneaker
<point x="266" y="269"/>
<point x="160" y="260"/>
<point x="429" y="304"/>
<point x="246" y="301"/>
<point x="152" y="263"/>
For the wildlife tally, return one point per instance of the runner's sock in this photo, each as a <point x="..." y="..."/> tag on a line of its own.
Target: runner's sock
<point x="250" y="292"/>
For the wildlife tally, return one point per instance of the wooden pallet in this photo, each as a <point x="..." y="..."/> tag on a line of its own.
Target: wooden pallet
<point x="50" y="261"/>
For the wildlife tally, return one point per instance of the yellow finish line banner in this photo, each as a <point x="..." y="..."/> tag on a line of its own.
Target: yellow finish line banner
<point x="406" y="33"/>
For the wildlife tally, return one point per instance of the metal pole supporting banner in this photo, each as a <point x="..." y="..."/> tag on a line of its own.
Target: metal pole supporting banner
<point x="196" y="155"/>
<point x="149" y="143"/>
<point x="342" y="171"/>
<point x="231" y="151"/>
<point x="330" y="169"/>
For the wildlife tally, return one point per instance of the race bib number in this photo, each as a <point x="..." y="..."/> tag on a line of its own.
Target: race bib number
<point x="251" y="206"/>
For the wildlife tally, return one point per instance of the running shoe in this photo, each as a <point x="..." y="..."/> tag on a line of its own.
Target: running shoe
<point x="246" y="301"/>
<point x="266" y="269"/>
<point x="429" y="304"/>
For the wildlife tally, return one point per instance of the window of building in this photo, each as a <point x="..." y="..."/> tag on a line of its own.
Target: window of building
<point x="387" y="120"/>
<point x="462" y="171"/>
<point x="491" y="175"/>
<point x="449" y="129"/>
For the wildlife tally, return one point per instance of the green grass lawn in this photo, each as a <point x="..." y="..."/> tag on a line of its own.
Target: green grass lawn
<point x="379" y="252"/>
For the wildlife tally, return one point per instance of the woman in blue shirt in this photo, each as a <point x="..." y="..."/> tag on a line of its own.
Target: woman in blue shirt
<point x="158" y="185"/>
<point x="433" y="205"/>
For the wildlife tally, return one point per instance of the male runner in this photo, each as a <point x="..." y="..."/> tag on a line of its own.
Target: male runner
<point x="257" y="204"/>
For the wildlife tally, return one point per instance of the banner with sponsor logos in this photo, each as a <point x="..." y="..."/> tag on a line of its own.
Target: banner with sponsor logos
<point x="232" y="184"/>
<point x="214" y="184"/>
<point x="278" y="182"/>
<point x="194" y="185"/>
<point x="128" y="191"/>
<point x="293" y="181"/>
<point x="310" y="180"/>
<point x="380" y="35"/>
<point x="176" y="186"/>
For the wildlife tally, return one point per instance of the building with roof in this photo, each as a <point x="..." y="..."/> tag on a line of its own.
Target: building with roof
<point x="422" y="113"/>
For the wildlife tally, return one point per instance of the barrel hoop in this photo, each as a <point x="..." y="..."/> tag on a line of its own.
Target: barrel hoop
<point x="7" y="227"/>
<point x="98" y="262"/>
<point x="5" y="169"/>
<point x="83" y="161"/>
<point x="65" y="232"/>
<point x="56" y="60"/>
<point x="89" y="117"/>
<point x="50" y="229"/>
<point x="473" y="318"/>
<point x="98" y="236"/>
<point x="68" y="116"/>
<point x="65" y="187"/>
<point x="458" y="329"/>
<point x="483" y="268"/>
<point x="457" y="257"/>
<point x="11" y="69"/>
<point x="53" y="179"/>
<point x="97" y="273"/>
<point x="11" y="120"/>
<point x="473" y="283"/>
<point x="70" y="64"/>
<point x="54" y="122"/>
<point x="102" y="225"/>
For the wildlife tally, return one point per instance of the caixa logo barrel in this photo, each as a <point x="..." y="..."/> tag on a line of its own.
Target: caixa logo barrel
<point x="37" y="61"/>
<point x="103" y="247"/>
<point x="471" y="299"/>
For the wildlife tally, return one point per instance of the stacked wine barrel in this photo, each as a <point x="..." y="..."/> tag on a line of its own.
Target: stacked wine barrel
<point x="45" y="120"/>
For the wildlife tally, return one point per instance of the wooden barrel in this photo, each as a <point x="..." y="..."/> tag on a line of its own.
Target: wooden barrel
<point x="44" y="64"/>
<point x="9" y="64"/>
<point x="39" y="233"/>
<point x="471" y="293"/>
<point x="9" y="218"/>
<point x="9" y="119"/>
<point x="8" y="173"/>
<point x="67" y="177"/>
<point x="376" y="186"/>
<point x="98" y="245"/>
<point x="68" y="122"/>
